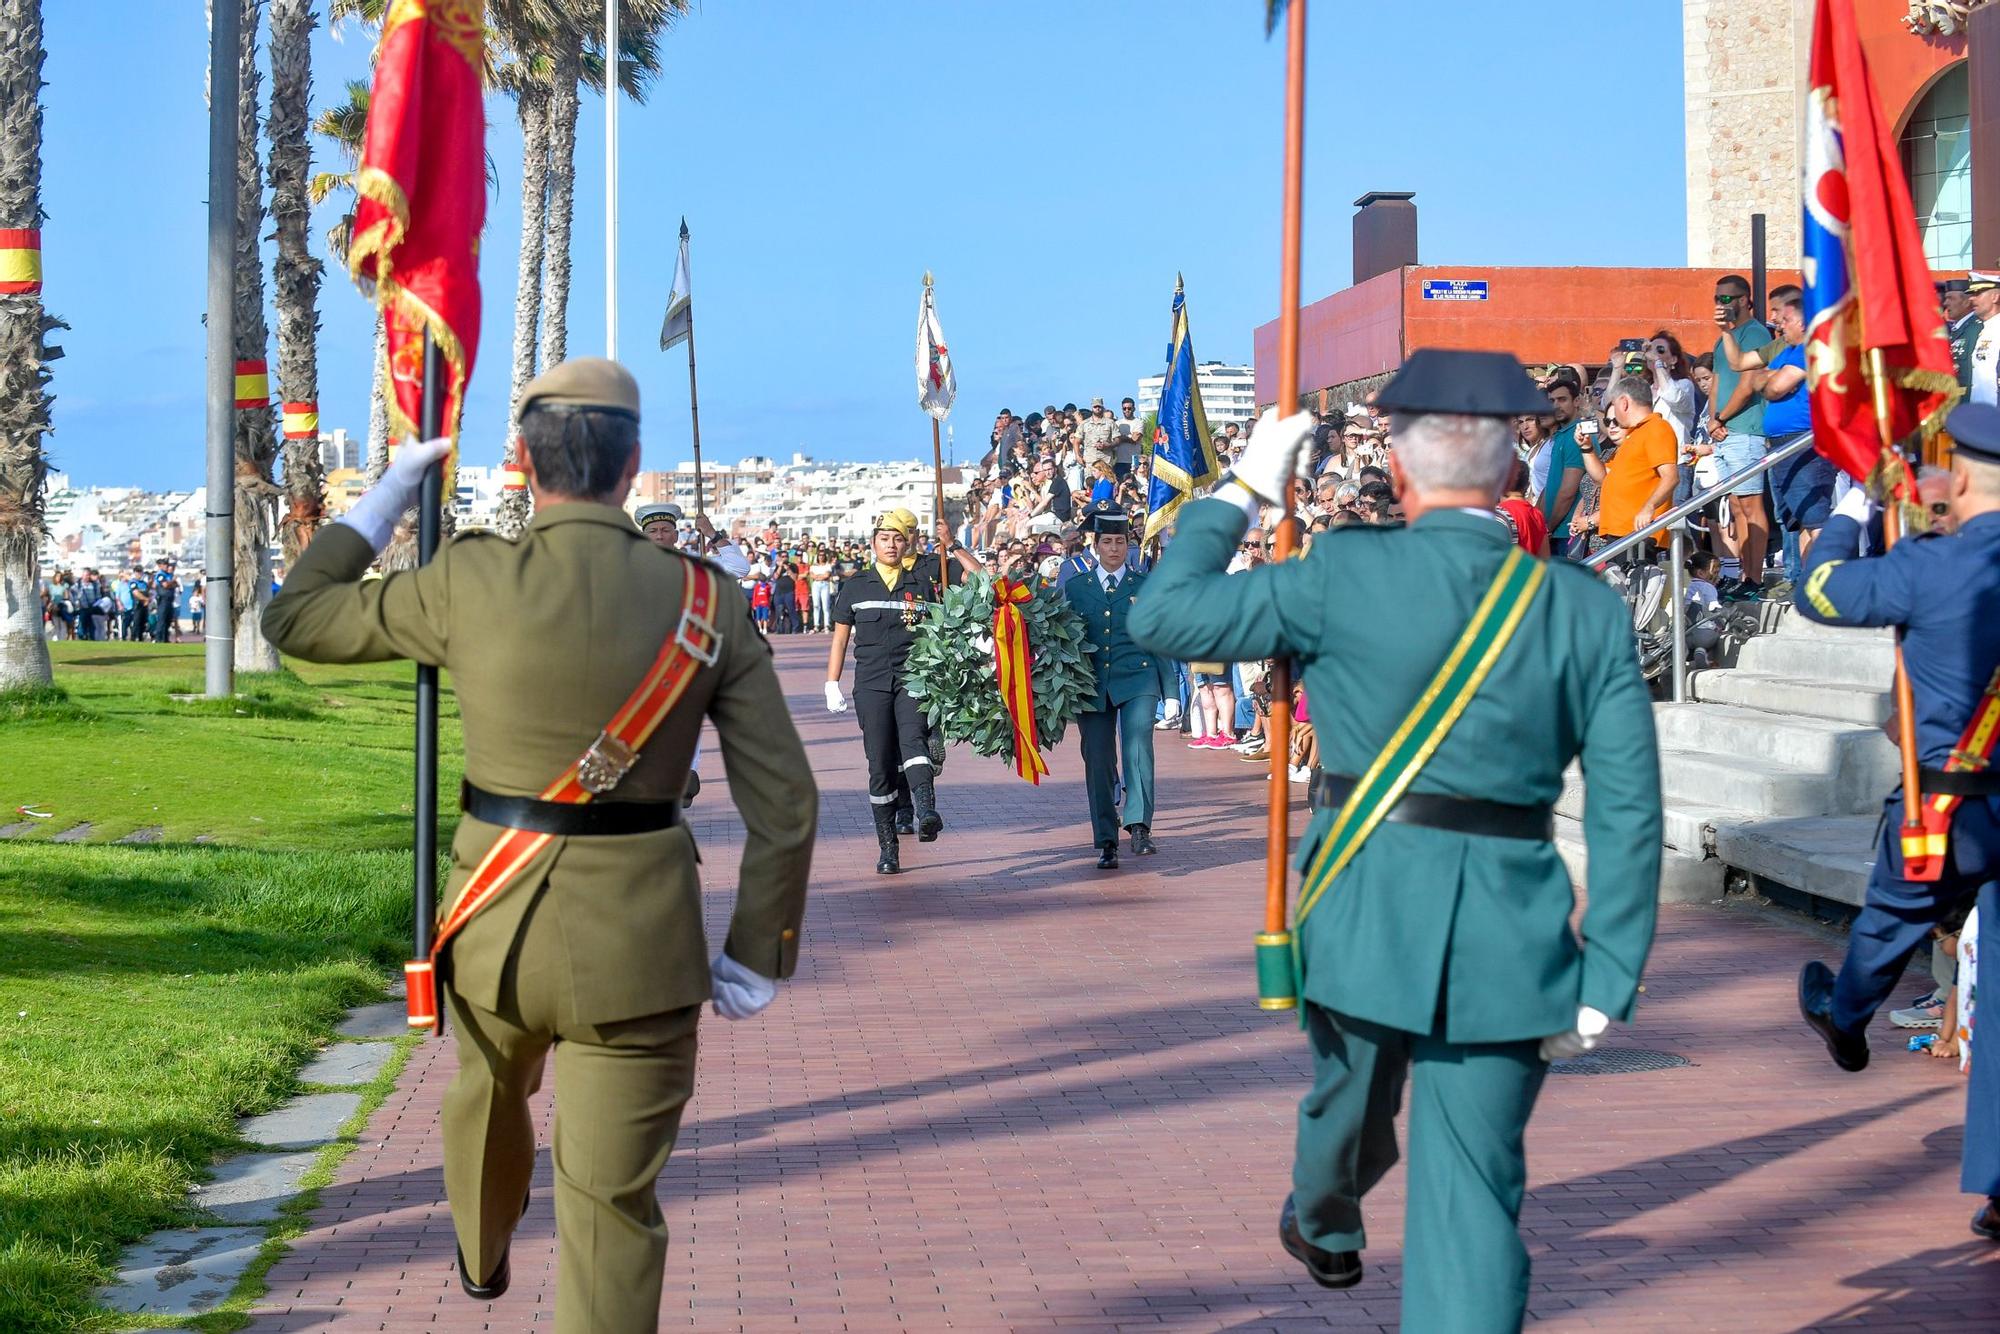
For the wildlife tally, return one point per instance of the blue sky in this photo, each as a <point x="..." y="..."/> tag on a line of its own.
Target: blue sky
<point x="1053" y="161"/>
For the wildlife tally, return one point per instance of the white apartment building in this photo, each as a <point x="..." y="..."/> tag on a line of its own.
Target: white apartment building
<point x="337" y="450"/>
<point x="1228" y="393"/>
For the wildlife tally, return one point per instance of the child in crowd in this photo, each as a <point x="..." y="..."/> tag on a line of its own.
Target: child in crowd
<point x="760" y="605"/>
<point x="1703" y="572"/>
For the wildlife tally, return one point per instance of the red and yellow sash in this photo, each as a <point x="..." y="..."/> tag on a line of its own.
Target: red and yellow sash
<point x="1013" y="669"/>
<point x="680" y="657"/>
<point x="1925" y="849"/>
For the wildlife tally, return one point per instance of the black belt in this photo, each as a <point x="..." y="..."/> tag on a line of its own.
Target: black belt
<point x="1458" y="815"/>
<point x="569" y="819"/>
<point x="1963" y="783"/>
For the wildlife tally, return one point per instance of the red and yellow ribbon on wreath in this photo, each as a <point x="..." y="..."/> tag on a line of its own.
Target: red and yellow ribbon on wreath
<point x="1013" y="662"/>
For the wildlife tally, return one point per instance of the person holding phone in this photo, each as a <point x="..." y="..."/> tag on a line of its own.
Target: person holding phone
<point x="1736" y="423"/>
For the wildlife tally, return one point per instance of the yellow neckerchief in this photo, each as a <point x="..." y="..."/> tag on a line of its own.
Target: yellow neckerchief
<point x="888" y="574"/>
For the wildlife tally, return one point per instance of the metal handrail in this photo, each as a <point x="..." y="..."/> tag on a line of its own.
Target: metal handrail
<point x="1677" y="551"/>
<point x="1599" y="559"/>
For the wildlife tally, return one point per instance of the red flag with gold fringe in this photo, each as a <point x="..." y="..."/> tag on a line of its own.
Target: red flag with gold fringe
<point x="422" y="183"/>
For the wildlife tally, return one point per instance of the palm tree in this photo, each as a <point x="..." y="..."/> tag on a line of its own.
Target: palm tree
<point x="256" y="440"/>
<point x="296" y="274"/>
<point x="345" y="126"/>
<point x="24" y="354"/>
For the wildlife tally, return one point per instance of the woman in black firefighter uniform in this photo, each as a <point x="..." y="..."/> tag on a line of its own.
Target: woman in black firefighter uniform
<point x="879" y="609"/>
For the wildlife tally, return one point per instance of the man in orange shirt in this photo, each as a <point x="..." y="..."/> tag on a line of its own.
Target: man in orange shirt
<point x="1639" y="480"/>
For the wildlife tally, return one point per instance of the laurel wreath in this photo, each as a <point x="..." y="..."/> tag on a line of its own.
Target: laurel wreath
<point x="950" y="668"/>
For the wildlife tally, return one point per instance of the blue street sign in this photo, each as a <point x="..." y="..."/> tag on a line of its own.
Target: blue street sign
<point x="1454" y="289"/>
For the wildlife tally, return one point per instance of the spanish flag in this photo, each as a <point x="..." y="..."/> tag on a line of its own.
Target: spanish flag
<point x="422" y="187"/>
<point x="253" y="385"/>
<point x="301" y="421"/>
<point x="20" y="260"/>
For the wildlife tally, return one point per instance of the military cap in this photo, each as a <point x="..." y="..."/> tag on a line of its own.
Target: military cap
<point x="1952" y="285"/>
<point x="1097" y="402"/>
<point x="1107" y="518"/>
<point x="1472" y="384"/>
<point x="663" y="509"/>
<point x="1975" y="431"/>
<point x="596" y="383"/>
<point x="1982" y="282"/>
<point x="896" y="521"/>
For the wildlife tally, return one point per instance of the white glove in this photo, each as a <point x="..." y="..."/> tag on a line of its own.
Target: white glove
<point x="739" y="992"/>
<point x="1276" y="453"/>
<point x="1857" y="506"/>
<point x="1590" y="1026"/>
<point x="835" y="703"/>
<point x="377" y="513"/>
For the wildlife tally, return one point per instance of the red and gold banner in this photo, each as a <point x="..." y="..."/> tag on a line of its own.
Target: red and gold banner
<point x="301" y="421"/>
<point x="422" y="182"/>
<point x="253" y="385"/>
<point x="513" y="479"/>
<point x="1013" y="667"/>
<point x="20" y="260"/>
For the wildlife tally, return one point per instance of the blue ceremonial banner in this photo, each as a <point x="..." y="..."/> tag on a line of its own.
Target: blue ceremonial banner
<point x="1183" y="454"/>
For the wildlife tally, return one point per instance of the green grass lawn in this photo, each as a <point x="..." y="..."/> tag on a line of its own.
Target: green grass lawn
<point x="151" y="994"/>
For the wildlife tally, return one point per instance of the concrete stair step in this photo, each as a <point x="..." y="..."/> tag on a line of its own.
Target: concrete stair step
<point x="1805" y="743"/>
<point x="1684" y="826"/>
<point x="1794" y="626"/>
<point x="1862" y="705"/>
<point x="1864" y="659"/>
<point x="1684" y="877"/>
<point x="1749" y="785"/>
<point x="1828" y="856"/>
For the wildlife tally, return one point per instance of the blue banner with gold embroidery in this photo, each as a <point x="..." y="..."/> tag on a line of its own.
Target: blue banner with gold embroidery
<point x="1183" y="454"/>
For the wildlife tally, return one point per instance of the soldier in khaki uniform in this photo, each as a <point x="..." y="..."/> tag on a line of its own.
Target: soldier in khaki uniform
<point x="595" y="947"/>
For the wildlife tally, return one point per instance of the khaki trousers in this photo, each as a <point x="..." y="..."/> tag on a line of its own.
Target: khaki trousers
<point x="621" y="1088"/>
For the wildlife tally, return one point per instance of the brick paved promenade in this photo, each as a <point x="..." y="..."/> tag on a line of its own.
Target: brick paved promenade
<point x="1007" y="1091"/>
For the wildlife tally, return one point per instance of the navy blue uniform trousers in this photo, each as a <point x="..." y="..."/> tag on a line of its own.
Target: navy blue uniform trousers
<point x="1897" y="917"/>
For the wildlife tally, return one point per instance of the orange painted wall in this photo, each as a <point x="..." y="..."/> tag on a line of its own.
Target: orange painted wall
<point x="1903" y="63"/>
<point x="1538" y="314"/>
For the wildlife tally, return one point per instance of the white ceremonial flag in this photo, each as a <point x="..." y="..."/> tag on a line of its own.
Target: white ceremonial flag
<point x="679" y="323"/>
<point x="936" y="384"/>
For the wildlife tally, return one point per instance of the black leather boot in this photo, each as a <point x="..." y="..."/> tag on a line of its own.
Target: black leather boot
<point x="923" y="794"/>
<point x="885" y="839"/>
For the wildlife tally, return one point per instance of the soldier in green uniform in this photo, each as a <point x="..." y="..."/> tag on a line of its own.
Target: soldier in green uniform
<point x="595" y="946"/>
<point x="1435" y="944"/>
<point x="1117" y="725"/>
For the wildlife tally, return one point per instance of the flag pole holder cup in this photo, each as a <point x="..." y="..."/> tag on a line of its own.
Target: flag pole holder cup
<point x="1277" y="971"/>
<point x="420" y="993"/>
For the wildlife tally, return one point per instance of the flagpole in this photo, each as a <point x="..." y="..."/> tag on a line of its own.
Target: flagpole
<point x="219" y="521"/>
<point x="430" y="499"/>
<point x="611" y="179"/>
<point x="1892" y="530"/>
<point x="1278" y="833"/>
<point x="694" y="412"/>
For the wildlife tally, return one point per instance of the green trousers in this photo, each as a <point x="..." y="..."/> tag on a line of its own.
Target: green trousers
<point x="1111" y="737"/>
<point x="1464" y="1267"/>
<point x="620" y="1089"/>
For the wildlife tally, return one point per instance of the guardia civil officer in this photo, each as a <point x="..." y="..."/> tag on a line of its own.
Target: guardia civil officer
<point x="1436" y="944"/>
<point x="593" y="944"/>
<point x="1117" y="723"/>
<point x="1942" y="593"/>
<point x="878" y="611"/>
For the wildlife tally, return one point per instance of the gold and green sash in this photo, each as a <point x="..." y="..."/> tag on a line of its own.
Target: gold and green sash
<point x="1429" y="721"/>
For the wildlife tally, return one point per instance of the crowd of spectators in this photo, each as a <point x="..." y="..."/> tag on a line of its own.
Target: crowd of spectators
<point x="132" y="605"/>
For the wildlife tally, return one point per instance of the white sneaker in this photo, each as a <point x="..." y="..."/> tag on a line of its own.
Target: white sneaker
<point x="1300" y="774"/>
<point x="1918" y="1016"/>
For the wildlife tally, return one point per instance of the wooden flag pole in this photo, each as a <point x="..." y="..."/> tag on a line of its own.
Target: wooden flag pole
<point x="1892" y="531"/>
<point x="430" y="500"/>
<point x="1278" y="726"/>
<point x="937" y="492"/>
<point x="694" y="412"/>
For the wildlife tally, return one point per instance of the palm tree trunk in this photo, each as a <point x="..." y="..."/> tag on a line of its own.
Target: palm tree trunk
<point x="563" y="109"/>
<point x="378" y="404"/>
<point x="295" y="275"/>
<point x="24" y="353"/>
<point x="533" y="105"/>
<point x="256" y="441"/>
